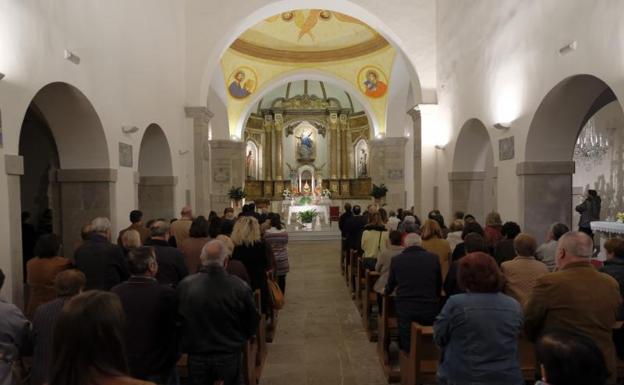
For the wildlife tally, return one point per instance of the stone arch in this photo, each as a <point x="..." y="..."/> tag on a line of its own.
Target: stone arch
<point x="546" y="174"/>
<point x="156" y="192"/>
<point x="473" y="179"/>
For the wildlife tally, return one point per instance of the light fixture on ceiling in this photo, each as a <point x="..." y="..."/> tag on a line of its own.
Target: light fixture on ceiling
<point x="1" y="76"/>
<point x="502" y="126"/>
<point x="591" y="146"/>
<point x="129" y="129"/>
<point x="234" y="137"/>
<point x="72" y="57"/>
<point x="566" y="49"/>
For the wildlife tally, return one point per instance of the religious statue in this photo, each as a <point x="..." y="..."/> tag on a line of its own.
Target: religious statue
<point x="306" y="189"/>
<point x="363" y="164"/>
<point x="249" y="165"/>
<point x="305" y="146"/>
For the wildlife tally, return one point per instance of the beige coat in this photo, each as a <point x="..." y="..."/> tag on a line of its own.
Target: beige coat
<point x="521" y="274"/>
<point x="441" y="248"/>
<point x="383" y="266"/>
<point x="577" y="298"/>
<point x="180" y="230"/>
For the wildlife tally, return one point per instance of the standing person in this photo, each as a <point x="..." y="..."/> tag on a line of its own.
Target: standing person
<point x="253" y="252"/>
<point x="136" y="223"/>
<point x="347" y="213"/>
<point x="478" y="330"/>
<point x="546" y="252"/>
<point x="374" y="240"/>
<point x="13" y="337"/>
<point x="192" y="246"/>
<point x="277" y="238"/>
<point x="393" y="221"/>
<point x="415" y="274"/>
<point x="354" y="226"/>
<point x="171" y="266"/>
<point x="88" y="343"/>
<point x="42" y="270"/>
<point x="67" y="284"/>
<point x="29" y="239"/>
<point x="101" y="261"/>
<point x="454" y="237"/>
<point x="576" y="298"/>
<point x="233" y="267"/>
<point x="493" y="229"/>
<point x="434" y="242"/>
<point x="180" y="229"/>
<point x="218" y="316"/>
<point x="590" y="211"/>
<point x="150" y="310"/>
<point x="131" y="239"/>
<point x="522" y="272"/>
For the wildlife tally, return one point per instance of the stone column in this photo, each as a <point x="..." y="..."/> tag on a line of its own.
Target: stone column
<point x="14" y="288"/>
<point x="387" y="162"/>
<point x="333" y="145"/>
<point x="545" y="195"/>
<point x="467" y="192"/>
<point x="156" y="196"/>
<point x="268" y="148"/>
<point x="417" y="139"/>
<point x="279" y="150"/>
<point x="201" y="157"/>
<point x="344" y="153"/>
<point x="227" y="158"/>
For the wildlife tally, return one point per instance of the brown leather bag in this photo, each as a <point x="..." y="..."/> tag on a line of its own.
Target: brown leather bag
<point x="277" y="297"/>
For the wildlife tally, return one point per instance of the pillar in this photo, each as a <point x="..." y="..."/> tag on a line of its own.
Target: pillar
<point x="268" y="148"/>
<point x="417" y="140"/>
<point x="156" y="196"/>
<point x="13" y="288"/>
<point x="467" y="192"/>
<point x="333" y="145"/>
<point x="227" y="158"/>
<point x="201" y="157"/>
<point x="344" y="153"/>
<point x="387" y="162"/>
<point x="279" y="150"/>
<point x="545" y="195"/>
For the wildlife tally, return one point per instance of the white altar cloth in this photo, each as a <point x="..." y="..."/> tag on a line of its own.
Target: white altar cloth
<point x="608" y="227"/>
<point x="321" y="209"/>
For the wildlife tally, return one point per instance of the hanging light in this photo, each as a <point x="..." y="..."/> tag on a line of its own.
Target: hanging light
<point x="591" y="147"/>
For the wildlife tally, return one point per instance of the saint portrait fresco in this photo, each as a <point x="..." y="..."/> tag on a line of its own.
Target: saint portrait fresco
<point x="373" y="83"/>
<point x="242" y="82"/>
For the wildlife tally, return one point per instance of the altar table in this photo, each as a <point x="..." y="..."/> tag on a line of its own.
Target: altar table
<point x="321" y="209"/>
<point x="607" y="230"/>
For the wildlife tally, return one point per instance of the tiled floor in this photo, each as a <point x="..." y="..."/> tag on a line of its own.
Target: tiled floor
<point x="320" y="338"/>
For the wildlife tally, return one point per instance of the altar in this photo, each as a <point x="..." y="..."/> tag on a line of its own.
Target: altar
<point x="290" y="209"/>
<point x="607" y="230"/>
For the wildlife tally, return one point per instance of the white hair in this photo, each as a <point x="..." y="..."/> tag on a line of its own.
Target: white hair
<point x="214" y="252"/>
<point x="577" y="244"/>
<point x="412" y="239"/>
<point x="100" y="225"/>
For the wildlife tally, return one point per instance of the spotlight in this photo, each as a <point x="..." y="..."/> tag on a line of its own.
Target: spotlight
<point x="69" y="55"/>
<point x="502" y="126"/>
<point x="568" y="48"/>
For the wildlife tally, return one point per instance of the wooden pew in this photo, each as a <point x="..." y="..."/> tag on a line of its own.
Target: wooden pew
<point x="369" y="299"/>
<point x="360" y="283"/>
<point x="387" y="325"/>
<point x="526" y="357"/>
<point x="353" y="269"/>
<point x="343" y="257"/>
<point x="347" y="267"/>
<point x="421" y="364"/>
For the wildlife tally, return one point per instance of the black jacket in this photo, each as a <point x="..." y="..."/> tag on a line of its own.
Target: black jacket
<point x="102" y="263"/>
<point x="171" y="266"/>
<point x="217" y="312"/>
<point x="416" y="275"/>
<point x="354" y="226"/>
<point x="342" y="221"/>
<point x="150" y="310"/>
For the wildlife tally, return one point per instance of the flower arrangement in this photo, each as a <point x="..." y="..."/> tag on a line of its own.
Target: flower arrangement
<point x="286" y="193"/>
<point x="326" y="194"/>
<point x="379" y="192"/>
<point x="620" y="217"/>
<point x="307" y="216"/>
<point x="237" y="193"/>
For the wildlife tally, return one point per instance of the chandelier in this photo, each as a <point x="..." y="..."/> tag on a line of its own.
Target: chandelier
<point x="590" y="147"/>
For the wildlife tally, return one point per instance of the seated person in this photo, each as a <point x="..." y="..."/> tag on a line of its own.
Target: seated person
<point x="522" y="272"/>
<point x="416" y="276"/>
<point x="546" y="252"/>
<point x="504" y="250"/>
<point x="473" y="242"/>
<point x="478" y="330"/>
<point x="469" y="227"/>
<point x="614" y="266"/>
<point x="374" y="241"/>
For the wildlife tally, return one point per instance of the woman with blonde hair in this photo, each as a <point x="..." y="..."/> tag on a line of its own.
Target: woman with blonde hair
<point x="493" y="229"/>
<point x="253" y="253"/>
<point x="433" y="242"/>
<point x="374" y="240"/>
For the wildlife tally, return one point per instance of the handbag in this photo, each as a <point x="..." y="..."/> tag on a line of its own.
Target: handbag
<point x="277" y="297"/>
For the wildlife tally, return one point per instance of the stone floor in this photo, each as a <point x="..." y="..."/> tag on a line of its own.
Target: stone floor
<point x="320" y="338"/>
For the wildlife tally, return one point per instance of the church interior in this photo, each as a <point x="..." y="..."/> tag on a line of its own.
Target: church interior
<point x="483" y="116"/>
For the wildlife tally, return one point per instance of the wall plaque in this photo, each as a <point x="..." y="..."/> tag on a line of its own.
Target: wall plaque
<point x="125" y="155"/>
<point x="506" y="148"/>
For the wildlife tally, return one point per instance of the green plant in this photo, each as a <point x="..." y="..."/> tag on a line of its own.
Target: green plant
<point x="305" y="201"/>
<point x="307" y="216"/>
<point x="379" y="191"/>
<point x="237" y="193"/>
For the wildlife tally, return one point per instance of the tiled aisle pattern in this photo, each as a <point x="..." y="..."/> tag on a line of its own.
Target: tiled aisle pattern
<point x="320" y="338"/>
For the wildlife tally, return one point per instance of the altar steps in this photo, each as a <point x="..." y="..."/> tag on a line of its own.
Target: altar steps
<point x="324" y="234"/>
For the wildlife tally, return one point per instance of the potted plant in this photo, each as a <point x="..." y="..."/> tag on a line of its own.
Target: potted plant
<point x="306" y="218"/>
<point x="236" y="194"/>
<point x="379" y="192"/>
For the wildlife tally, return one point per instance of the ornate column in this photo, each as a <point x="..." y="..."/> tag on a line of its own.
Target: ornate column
<point x="201" y="156"/>
<point x="333" y="145"/>
<point x="344" y="153"/>
<point x="416" y="137"/>
<point x="268" y="148"/>
<point x="279" y="157"/>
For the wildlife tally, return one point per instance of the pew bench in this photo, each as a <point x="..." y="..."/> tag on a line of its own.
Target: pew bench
<point x="420" y="366"/>
<point x="368" y="301"/>
<point x="387" y="326"/>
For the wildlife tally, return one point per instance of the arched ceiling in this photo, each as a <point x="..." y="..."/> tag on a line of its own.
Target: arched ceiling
<point x="309" y="36"/>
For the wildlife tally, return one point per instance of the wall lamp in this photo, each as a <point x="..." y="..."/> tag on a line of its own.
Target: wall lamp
<point x="1" y="76"/>
<point x="129" y="129"/>
<point x="439" y="147"/>
<point x="72" y="57"/>
<point x="568" y="48"/>
<point x="502" y="126"/>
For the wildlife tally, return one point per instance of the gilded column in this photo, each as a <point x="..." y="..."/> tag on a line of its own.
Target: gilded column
<point x="279" y="157"/>
<point x="333" y="145"/>
<point x="268" y="150"/>
<point x="344" y="153"/>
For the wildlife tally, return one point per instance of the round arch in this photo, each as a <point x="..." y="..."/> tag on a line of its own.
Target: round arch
<point x="156" y="190"/>
<point x="471" y="147"/>
<point x="306" y="74"/>
<point x="347" y="7"/>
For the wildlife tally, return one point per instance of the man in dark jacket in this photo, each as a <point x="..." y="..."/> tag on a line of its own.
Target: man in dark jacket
<point x="416" y="276"/>
<point x="136" y="220"/>
<point x="218" y="316"/>
<point x="150" y="310"/>
<point x="354" y="226"/>
<point x="102" y="263"/>
<point x="171" y="266"/>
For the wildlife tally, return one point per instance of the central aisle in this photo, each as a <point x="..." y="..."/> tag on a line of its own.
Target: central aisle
<point x="320" y="338"/>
